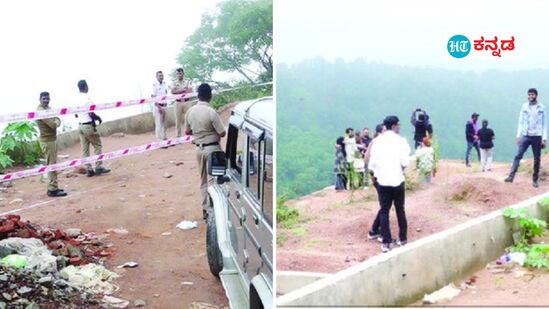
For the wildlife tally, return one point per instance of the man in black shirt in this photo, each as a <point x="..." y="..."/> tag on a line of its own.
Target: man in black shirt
<point x="422" y="126"/>
<point x="471" y="129"/>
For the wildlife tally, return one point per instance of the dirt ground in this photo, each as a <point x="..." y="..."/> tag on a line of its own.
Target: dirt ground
<point x="332" y="233"/>
<point x="173" y="270"/>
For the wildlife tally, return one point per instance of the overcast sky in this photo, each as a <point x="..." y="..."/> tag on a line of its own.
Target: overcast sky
<point x="411" y="32"/>
<point x="117" y="46"/>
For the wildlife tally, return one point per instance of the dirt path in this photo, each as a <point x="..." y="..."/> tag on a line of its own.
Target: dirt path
<point x="332" y="233"/>
<point x="135" y="196"/>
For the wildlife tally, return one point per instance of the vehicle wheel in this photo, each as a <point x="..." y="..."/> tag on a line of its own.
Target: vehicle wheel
<point x="215" y="259"/>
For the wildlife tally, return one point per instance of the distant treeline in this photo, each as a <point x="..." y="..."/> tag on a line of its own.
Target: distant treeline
<point x="317" y="100"/>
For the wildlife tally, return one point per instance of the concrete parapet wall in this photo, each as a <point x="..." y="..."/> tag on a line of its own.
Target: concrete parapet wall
<point x="137" y="124"/>
<point x="405" y="274"/>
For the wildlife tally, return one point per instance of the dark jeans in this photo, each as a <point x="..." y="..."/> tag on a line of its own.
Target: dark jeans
<point x="471" y="145"/>
<point x="388" y="196"/>
<point x="375" y="225"/>
<point x="525" y="142"/>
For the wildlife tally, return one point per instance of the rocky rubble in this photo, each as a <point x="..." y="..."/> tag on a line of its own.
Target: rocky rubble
<point x="25" y="289"/>
<point x="76" y="247"/>
<point x="32" y="288"/>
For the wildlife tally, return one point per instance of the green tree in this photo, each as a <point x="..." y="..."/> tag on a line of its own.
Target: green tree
<point x="236" y="37"/>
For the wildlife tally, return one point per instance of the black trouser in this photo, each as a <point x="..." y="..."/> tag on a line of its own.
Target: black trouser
<point x="375" y="225"/>
<point x="525" y="142"/>
<point x="388" y="195"/>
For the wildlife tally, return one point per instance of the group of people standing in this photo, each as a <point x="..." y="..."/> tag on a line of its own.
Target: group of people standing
<point x="350" y="160"/>
<point x="200" y="120"/>
<point x="159" y="89"/>
<point x="87" y="132"/>
<point x="387" y="155"/>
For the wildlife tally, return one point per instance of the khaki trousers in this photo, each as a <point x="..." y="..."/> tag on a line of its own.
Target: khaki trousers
<point x="181" y="109"/>
<point x="50" y="154"/>
<point x="202" y="158"/>
<point x="88" y="135"/>
<point x="160" y="123"/>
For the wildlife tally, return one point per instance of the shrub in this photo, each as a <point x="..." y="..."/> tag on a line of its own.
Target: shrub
<point x="19" y="145"/>
<point x="285" y="216"/>
<point x="537" y="255"/>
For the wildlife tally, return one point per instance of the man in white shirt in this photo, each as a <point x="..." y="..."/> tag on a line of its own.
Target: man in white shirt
<point x="159" y="89"/>
<point x="531" y="131"/>
<point x="88" y="132"/>
<point x="389" y="156"/>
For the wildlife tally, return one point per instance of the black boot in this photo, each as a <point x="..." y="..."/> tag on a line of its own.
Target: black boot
<point x="57" y="193"/>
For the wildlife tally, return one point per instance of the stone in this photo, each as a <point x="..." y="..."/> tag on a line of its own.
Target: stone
<point x="73" y="232"/>
<point x="3" y="277"/>
<point x="47" y="280"/>
<point x="166" y="233"/>
<point x="118" y="134"/>
<point x="156" y="295"/>
<point x="139" y="303"/>
<point x="6" y="296"/>
<point x="167" y="175"/>
<point x="2" y="305"/>
<point x="142" y="195"/>
<point x="24" y="290"/>
<point x="418" y="229"/>
<point x="63" y="156"/>
<point x="33" y="306"/>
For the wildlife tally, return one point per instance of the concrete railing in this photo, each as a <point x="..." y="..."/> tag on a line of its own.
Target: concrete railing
<point x="138" y="124"/>
<point x="405" y="274"/>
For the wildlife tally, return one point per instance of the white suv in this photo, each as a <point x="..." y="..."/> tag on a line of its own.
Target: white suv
<point x="240" y="222"/>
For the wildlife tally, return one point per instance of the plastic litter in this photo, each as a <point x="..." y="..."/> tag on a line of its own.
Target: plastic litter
<point x="128" y="265"/>
<point x="91" y="277"/>
<point x="187" y="225"/>
<point x="115" y="302"/>
<point x="514" y="257"/>
<point x="118" y="231"/>
<point x="39" y="257"/>
<point x="446" y="293"/>
<point x="15" y="261"/>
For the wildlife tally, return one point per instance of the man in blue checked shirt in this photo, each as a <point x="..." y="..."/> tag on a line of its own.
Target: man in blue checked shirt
<point x="531" y="131"/>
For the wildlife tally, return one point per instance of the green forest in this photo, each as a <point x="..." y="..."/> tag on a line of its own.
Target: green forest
<point x="317" y="100"/>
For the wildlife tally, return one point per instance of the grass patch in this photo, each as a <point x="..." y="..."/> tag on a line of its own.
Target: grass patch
<point x="299" y="231"/>
<point x="286" y="217"/>
<point x="313" y="243"/>
<point x="281" y="239"/>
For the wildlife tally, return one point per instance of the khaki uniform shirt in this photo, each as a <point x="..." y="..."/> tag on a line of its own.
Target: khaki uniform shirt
<point x="47" y="127"/>
<point x="204" y="122"/>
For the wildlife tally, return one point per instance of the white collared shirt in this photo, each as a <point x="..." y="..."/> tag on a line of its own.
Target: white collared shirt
<point x="159" y="90"/>
<point x="84" y="100"/>
<point x="389" y="155"/>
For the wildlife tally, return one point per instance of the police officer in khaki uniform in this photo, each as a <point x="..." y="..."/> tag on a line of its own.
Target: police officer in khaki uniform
<point x="88" y="132"/>
<point x="181" y="105"/>
<point x="204" y="124"/>
<point x="48" y="137"/>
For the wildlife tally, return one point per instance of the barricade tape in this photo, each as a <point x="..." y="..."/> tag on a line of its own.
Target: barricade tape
<point x="102" y="157"/>
<point x="44" y="114"/>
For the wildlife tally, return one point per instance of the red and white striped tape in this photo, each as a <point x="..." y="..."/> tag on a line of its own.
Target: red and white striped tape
<point x="44" y="114"/>
<point x="102" y="157"/>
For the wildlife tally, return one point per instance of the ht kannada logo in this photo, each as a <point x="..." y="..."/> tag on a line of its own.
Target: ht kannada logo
<point x="459" y="46"/>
